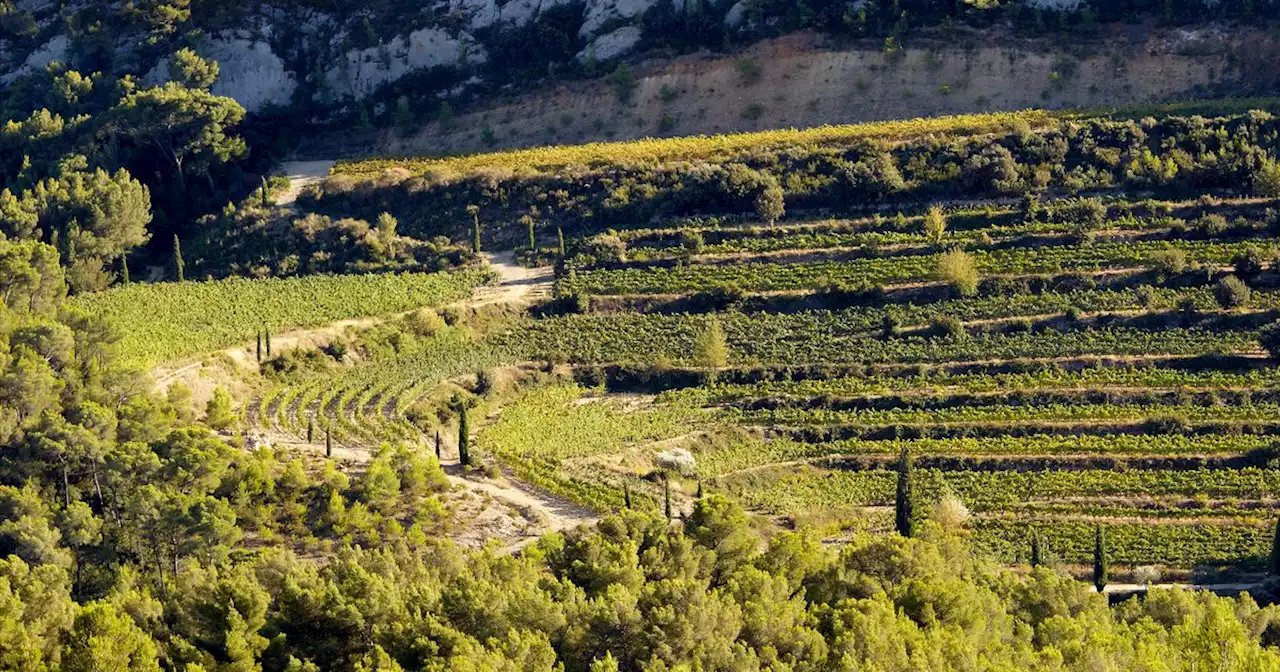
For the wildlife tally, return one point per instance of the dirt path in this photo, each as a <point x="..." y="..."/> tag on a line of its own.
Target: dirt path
<point x="516" y="284"/>
<point x="302" y="174"/>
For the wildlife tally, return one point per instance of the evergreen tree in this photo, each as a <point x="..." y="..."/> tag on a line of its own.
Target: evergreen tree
<point x="311" y="429"/>
<point x="626" y="494"/>
<point x="1100" y="564"/>
<point x="903" y="502"/>
<point x="464" y="439"/>
<point x="177" y="258"/>
<point x="560" y="240"/>
<point x="528" y="223"/>
<point x="474" y="211"/>
<point x="666" y="491"/>
<point x="438" y="457"/>
<point x="699" y="488"/>
<point x="265" y="193"/>
<point x="328" y="441"/>
<point x="1036" y="561"/>
<point x="259" y="351"/>
<point x="266" y="339"/>
<point x="1275" y="551"/>
<point x="124" y="270"/>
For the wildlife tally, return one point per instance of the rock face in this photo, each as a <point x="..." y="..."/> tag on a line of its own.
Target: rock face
<point x="361" y="72"/>
<point x="601" y="12"/>
<point x="54" y="50"/>
<point x="611" y="45"/>
<point x="249" y="72"/>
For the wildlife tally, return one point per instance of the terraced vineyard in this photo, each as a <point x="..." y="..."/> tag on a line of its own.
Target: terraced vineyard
<point x="1057" y="363"/>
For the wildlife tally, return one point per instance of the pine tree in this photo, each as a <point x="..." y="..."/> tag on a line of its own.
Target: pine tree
<point x="626" y="495"/>
<point x="560" y="240"/>
<point x="903" y="504"/>
<point x="1275" y="552"/>
<point x="474" y="211"/>
<point x="124" y="270"/>
<point x="1035" y="549"/>
<point x="464" y="439"/>
<point x="1100" y="564"/>
<point x="177" y="259"/>
<point x="666" y="486"/>
<point x="328" y="442"/>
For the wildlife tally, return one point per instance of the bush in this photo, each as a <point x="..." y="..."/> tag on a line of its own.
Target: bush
<point x="1269" y="339"/>
<point x="946" y="327"/>
<point x="957" y="269"/>
<point x="1231" y="292"/>
<point x="692" y="241"/>
<point x="1168" y="262"/>
<point x="1252" y="261"/>
<point x="1210" y="226"/>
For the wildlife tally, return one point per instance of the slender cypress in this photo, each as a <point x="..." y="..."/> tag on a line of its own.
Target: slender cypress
<point x="1035" y="549"/>
<point x="464" y="439"/>
<point x="259" y="347"/>
<point x="1275" y="552"/>
<point x="560" y="240"/>
<point x="1100" y="563"/>
<point x="533" y="244"/>
<point x="626" y="494"/>
<point x="666" y="486"/>
<point x="328" y="442"/>
<point x="903" y="503"/>
<point x="311" y="429"/>
<point x="177" y="259"/>
<point x="266" y="201"/>
<point x="124" y="270"/>
<point x="437" y="445"/>
<point x="266" y="338"/>
<point x="699" y="487"/>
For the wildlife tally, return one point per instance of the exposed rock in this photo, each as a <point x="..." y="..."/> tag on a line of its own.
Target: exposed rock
<point x="1057" y="5"/>
<point x="600" y="12"/>
<point x="480" y="13"/>
<point x="737" y="15"/>
<point x="520" y="12"/>
<point x="362" y="71"/>
<point x="249" y="72"/>
<point x="55" y="49"/>
<point x="612" y="45"/>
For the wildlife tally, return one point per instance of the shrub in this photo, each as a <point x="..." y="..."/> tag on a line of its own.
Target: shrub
<point x="1210" y="226"/>
<point x="946" y="327"/>
<point x="1231" y="292"/>
<point x="935" y="224"/>
<point x="957" y="269"/>
<point x="1269" y="339"/>
<point x="1252" y="261"/>
<point x="692" y="241"/>
<point x="1168" y="262"/>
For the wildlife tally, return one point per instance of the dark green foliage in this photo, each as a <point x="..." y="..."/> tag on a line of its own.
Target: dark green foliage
<point x="666" y="496"/>
<point x="311" y="430"/>
<point x="438" y="455"/>
<point x="464" y="439"/>
<point x="1275" y="551"/>
<point x="904" y="499"/>
<point x="266" y="339"/>
<point x="560" y="241"/>
<point x="1101" y="565"/>
<point x="1269" y="339"/>
<point x="259" y="348"/>
<point x="328" y="441"/>
<point x="1231" y="292"/>
<point x="1036" y="559"/>
<point x="124" y="270"/>
<point x="626" y="495"/>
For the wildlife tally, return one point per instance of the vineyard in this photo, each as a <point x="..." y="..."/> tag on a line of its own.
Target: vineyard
<point x="1061" y="351"/>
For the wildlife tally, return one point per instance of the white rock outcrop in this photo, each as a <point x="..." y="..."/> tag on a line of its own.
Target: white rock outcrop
<point x="360" y="72"/>
<point x="56" y="49"/>
<point x="600" y="12"/>
<point x="248" y="71"/>
<point x="612" y="45"/>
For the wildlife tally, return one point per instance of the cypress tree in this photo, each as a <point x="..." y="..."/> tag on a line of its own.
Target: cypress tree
<point x="328" y="442"/>
<point x="560" y="240"/>
<point x="464" y="439"/>
<point x="266" y="201"/>
<point x="266" y="338"/>
<point x="533" y="244"/>
<point x="1035" y="548"/>
<point x="666" y="486"/>
<point x="311" y="429"/>
<point x="259" y="347"/>
<point x="903" y="503"/>
<point x="626" y="494"/>
<point x="177" y="259"/>
<point x="1100" y="563"/>
<point x="124" y="270"/>
<point x="437" y="445"/>
<point x="1275" y="551"/>
<point x="699" y="487"/>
